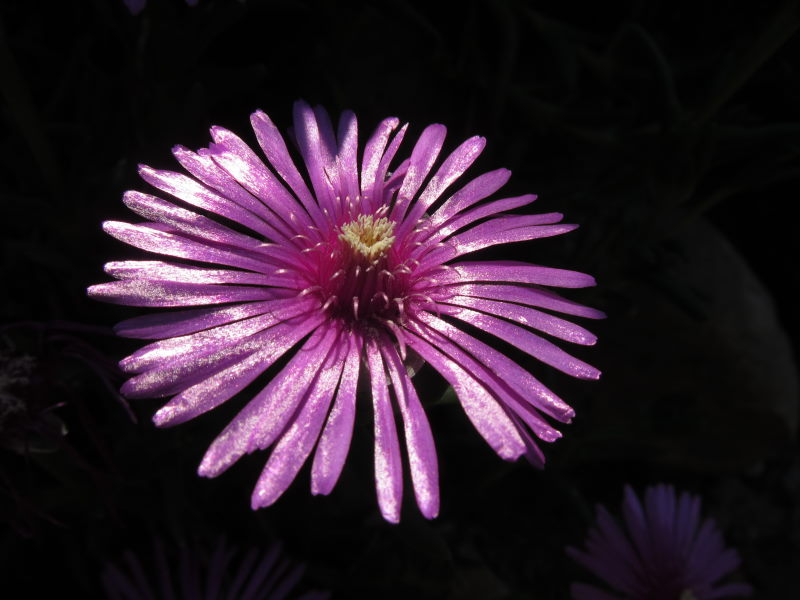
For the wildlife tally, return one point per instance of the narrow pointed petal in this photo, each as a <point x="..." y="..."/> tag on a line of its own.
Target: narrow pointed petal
<point x="171" y="324"/>
<point x="504" y="394"/>
<point x="476" y="190"/>
<point x="138" y="292"/>
<point x="510" y="372"/>
<point x="514" y="272"/>
<point x="237" y="159"/>
<point x="526" y="295"/>
<point x="373" y="153"/>
<point x="187" y="222"/>
<point x="419" y="439"/>
<point x="451" y="169"/>
<point x="529" y="317"/>
<point x="316" y="155"/>
<point x="536" y="346"/>
<point x="274" y="147"/>
<point x="334" y="443"/>
<point x="201" y="165"/>
<point x="170" y="244"/>
<point x="298" y="440"/>
<point x="481" y="407"/>
<point x="183" y="371"/>
<point x="218" y="388"/>
<point x="266" y="415"/>
<point x="491" y="234"/>
<point x="156" y="270"/>
<point x="163" y="352"/>
<point x="196" y="194"/>
<point x="347" y="158"/>
<point x="388" y="466"/>
<point x="422" y="158"/>
<point x="439" y="231"/>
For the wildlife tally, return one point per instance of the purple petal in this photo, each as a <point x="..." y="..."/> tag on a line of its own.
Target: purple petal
<point x="231" y="153"/>
<point x="501" y="390"/>
<point x="636" y="523"/>
<point x="605" y="566"/>
<point x="526" y="295"/>
<point x="222" y="386"/>
<point x="422" y="158"/>
<point x="189" y="223"/>
<point x="419" y="439"/>
<point x="190" y="191"/>
<point x="722" y="564"/>
<point x="687" y="520"/>
<point x="171" y="324"/>
<point x="373" y="153"/>
<point x="164" y="293"/>
<point x="490" y="234"/>
<point x="514" y="272"/>
<point x="299" y="438"/>
<point x="481" y="407"/>
<point x="616" y="543"/>
<point x="265" y="416"/>
<point x="274" y="147"/>
<point x="335" y="440"/>
<point x="347" y="158"/>
<point x="388" y="467"/>
<point x="317" y="156"/>
<point x="451" y="169"/>
<point x="511" y="373"/>
<point x="158" y="354"/>
<point x="476" y="190"/>
<point x="528" y="342"/>
<point x="177" y="374"/>
<point x="328" y="150"/>
<point x="205" y="169"/>
<point x="514" y="376"/>
<point x="435" y="232"/>
<point x="135" y="6"/>
<point x="156" y="270"/>
<point x="530" y="317"/>
<point x="170" y="244"/>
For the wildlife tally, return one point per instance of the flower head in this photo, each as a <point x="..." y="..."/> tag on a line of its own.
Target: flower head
<point x="662" y="551"/>
<point x="357" y="273"/>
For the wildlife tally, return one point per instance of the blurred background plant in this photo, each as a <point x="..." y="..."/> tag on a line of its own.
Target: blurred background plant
<point x="194" y="573"/>
<point x="668" y="130"/>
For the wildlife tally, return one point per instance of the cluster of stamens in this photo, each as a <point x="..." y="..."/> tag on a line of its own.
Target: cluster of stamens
<point x="369" y="237"/>
<point x="360" y="271"/>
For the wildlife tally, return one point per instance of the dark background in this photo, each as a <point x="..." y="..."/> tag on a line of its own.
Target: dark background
<point x="669" y="131"/>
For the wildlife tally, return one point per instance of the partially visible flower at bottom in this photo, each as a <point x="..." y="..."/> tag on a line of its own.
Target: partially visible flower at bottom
<point x="137" y="6"/>
<point x="662" y="551"/>
<point x="258" y="575"/>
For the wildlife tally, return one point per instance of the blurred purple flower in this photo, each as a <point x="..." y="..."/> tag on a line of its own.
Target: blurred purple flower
<point x="137" y="6"/>
<point x="662" y="551"/>
<point x="358" y="266"/>
<point x="258" y="575"/>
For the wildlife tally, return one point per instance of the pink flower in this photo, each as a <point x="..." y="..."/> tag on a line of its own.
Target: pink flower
<point x="662" y="551"/>
<point x="361" y="272"/>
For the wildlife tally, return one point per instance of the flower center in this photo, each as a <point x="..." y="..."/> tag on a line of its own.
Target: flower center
<point x="368" y="237"/>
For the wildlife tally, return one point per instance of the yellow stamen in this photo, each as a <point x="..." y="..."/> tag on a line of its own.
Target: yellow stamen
<point x="368" y="236"/>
